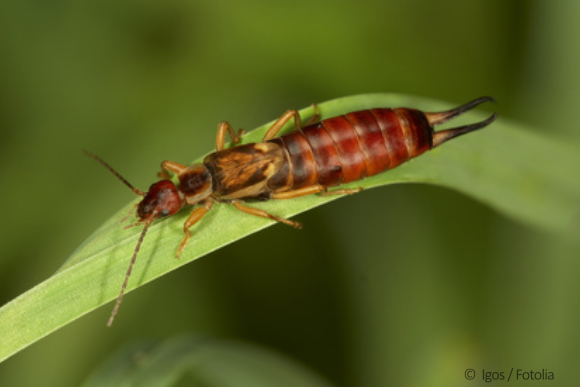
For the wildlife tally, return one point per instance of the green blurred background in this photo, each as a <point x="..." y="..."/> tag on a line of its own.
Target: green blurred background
<point x="404" y="285"/>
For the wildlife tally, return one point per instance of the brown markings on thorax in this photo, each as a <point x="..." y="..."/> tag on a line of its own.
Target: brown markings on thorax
<point x="244" y="170"/>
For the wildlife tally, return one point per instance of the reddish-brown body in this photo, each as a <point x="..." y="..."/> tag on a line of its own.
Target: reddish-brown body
<point x="328" y="153"/>
<point x="305" y="161"/>
<point x="347" y="148"/>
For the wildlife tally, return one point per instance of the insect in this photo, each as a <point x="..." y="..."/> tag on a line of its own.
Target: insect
<point x="305" y="161"/>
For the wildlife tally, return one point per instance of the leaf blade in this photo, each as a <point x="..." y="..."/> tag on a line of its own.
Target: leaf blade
<point x="512" y="169"/>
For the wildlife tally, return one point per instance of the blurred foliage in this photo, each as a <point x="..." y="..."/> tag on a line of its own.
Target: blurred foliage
<point x="187" y="360"/>
<point x="405" y="285"/>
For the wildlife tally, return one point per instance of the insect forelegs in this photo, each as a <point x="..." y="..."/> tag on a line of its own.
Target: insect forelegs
<point x="170" y="166"/>
<point x="195" y="217"/>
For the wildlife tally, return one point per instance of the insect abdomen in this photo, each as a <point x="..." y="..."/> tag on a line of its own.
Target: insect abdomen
<point x="350" y="147"/>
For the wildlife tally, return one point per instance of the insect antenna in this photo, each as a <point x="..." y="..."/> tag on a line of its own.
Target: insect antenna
<point x="100" y="160"/>
<point x="439" y="118"/>
<point x="133" y="259"/>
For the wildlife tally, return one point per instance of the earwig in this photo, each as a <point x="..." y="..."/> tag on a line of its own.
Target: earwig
<point x="305" y="161"/>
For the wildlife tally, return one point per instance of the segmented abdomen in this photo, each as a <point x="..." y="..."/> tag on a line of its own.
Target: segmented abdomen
<point x="350" y="147"/>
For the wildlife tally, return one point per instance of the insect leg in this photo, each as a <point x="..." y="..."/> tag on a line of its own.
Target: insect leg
<point x="315" y="118"/>
<point x="170" y="166"/>
<point x="342" y="191"/>
<point x="275" y="128"/>
<point x="313" y="189"/>
<point x="264" y="214"/>
<point x="224" y="127"/>
<point x="195" y="216"/>
<point x="298" y="192"/>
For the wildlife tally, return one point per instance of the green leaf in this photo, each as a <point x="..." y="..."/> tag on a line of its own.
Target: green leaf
<point x="190" y="360"/>
<point x="511" y="168"/>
